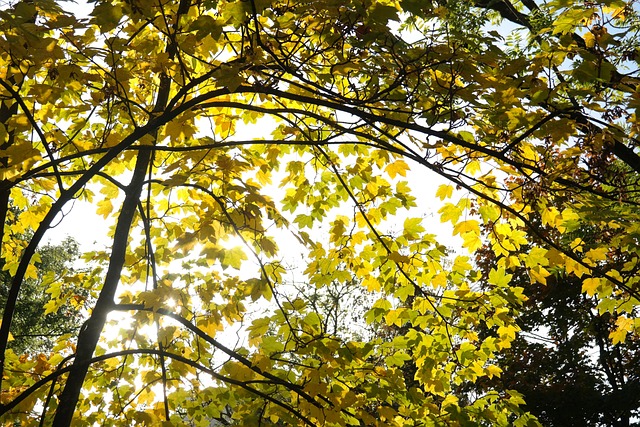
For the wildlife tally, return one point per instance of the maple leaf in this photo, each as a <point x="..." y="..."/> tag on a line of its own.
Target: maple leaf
<point x="264" y="120"/>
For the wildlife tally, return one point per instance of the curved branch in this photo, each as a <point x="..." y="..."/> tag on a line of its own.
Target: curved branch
<point x="4" y="409"/>
<point x="232" y="354"/>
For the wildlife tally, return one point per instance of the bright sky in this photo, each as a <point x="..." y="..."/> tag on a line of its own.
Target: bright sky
<point x="91" y="230"/>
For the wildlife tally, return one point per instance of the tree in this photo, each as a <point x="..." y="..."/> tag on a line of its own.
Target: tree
<point x="40" y="319"/>
<point x="563" y="363"/>
<point x="143" y="108"/>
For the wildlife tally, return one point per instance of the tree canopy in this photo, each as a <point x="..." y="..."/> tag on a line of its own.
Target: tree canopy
<point x="33" y="331"/>
<point x="222" y="139"/>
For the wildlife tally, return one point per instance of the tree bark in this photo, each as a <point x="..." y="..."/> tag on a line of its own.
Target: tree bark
<point x="91" y="330"/>
<point x="90" y="333"/>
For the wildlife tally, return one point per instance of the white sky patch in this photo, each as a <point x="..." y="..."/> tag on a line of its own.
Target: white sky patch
<point x="80" y="221"/>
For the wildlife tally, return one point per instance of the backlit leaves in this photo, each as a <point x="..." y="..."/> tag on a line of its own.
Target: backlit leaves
<point x="254" y="161"/>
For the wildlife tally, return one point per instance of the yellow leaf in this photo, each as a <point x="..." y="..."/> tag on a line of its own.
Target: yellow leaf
<point x="508" y="331"/>
<point x="576" y="268"/>
<point x="32" y="272"/>
<point x="489" y="213"/>
<point x="372" y="284"/>
<point x="394" y="317"/>
<point x="577" y="244"/>
<point x="471" y="240"/>
<point x="399" y="167"/>
<point x="413" y="227"/>
<point x="51" y="306"/>
<point x="529" y="153"/>
<point x="596" y="254"/>
<point x="30" y="218"/>
<point x="493" y="371"/>
<point x="623" y="325"/>
<point x="555" y="257"/>
<point x="450" y="212"/>
<point x="550" y="216"/>
<point x="535" y="257"/>
<point x="210" y="325"/>
<point x="467" y="226"/>
<point x="444" y="191"/>
<point x="472" y="167"/>
<point x="569" y="214"/>
<point x="439" y="280"/>
<point x="590" y="285"/>
<point x="105" y="207"/>
<point x="589" y="39"/>
<point x="539" y="274"/>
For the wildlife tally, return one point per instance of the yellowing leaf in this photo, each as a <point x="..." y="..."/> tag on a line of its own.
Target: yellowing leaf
<point x="450" y="212"/>
<point x="572" y="18"/>
<point x="589" y="39"/>
<point x="395" y="317"/>
<point x="397" y="359"/>
<point x="32" y="272"/>
<point x="472" y="167"/>
<point x="535" y="257"/>
<point x="413" y="227"/>
<point x="371" y="283"/>
<point x="499" y="277"/>
<point x="450" y="400"/>
<point x="233" y="258"/>
<point x="439" y="280"/>
<point x="210" y="325"/>
<point x="507" y="333"/>
<point x="489" y="213"/>
<point x="550" y="216"/>
<point x="596" y="254"/>
<point x="398" y="257"/>
<point x="403" y="292"/>
<point x="555" y="257"/>
<point x="539" y="274"/>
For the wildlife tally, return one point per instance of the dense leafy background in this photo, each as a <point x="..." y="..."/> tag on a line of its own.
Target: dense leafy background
<point x="268" y="263"/>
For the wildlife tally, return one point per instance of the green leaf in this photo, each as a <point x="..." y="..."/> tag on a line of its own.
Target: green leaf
<point x="397" y="359"/>
<point x="106" y="16"/>
<point x="572" y="18"/>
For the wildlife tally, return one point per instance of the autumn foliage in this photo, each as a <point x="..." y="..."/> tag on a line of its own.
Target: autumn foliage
<point x="267" y="262"/>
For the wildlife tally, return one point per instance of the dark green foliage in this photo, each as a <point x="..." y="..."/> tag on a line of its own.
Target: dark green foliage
<point x="33" y="330"/>
<point x="563" y="362"/>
